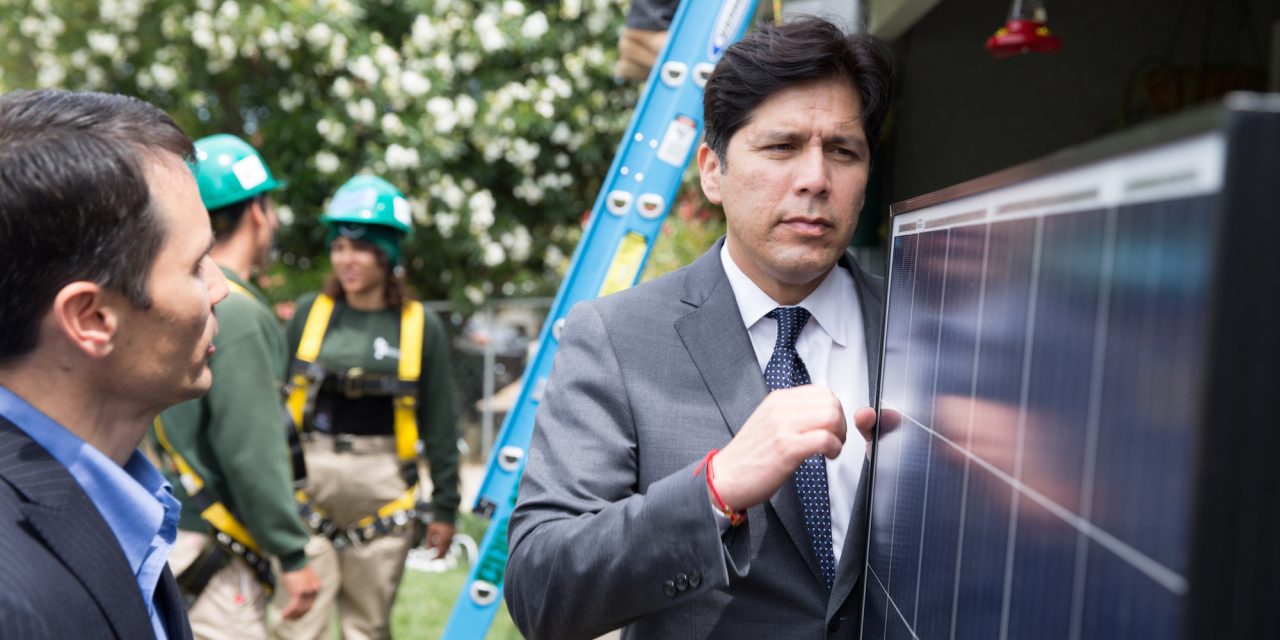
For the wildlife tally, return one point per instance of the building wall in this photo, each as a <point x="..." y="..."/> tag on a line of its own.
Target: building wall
<point x="961" y="114"/>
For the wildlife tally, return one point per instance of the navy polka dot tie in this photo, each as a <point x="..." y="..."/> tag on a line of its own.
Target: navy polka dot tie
<point x="786" y="369"/>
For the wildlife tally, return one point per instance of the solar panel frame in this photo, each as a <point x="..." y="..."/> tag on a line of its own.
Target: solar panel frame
<point x="1226" y="534"/>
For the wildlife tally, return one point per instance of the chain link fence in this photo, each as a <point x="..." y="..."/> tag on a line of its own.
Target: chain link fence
<point x="489" y="350"/>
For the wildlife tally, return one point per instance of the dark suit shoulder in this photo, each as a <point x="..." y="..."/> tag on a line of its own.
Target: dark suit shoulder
<point x="41" y="597"/>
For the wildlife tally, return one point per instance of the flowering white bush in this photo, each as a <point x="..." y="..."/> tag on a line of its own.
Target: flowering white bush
<point x="497" y="118"/>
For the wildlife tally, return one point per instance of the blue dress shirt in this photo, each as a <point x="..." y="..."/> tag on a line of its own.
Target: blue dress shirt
<point x="136" y="501"/>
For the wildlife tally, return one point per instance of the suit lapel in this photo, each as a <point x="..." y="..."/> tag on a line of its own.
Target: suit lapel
<point x="63" y="516"/>
<point x="720" y="348"/>
<point x="718" y="343"/>
<point x="169" y="601"/>
<point x="871" y="303"/>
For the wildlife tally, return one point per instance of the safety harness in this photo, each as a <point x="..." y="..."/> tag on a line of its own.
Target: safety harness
<point x="230" y="537"/>
<point x="306" y="378"/>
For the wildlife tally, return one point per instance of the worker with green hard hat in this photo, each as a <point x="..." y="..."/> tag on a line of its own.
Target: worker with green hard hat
<point x="226" y="453"/>
<point x="372" y="390"/>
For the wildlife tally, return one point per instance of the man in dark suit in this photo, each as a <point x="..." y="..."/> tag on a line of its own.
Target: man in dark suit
<point x="107" y="318"/>
<point x="690" y="475"/>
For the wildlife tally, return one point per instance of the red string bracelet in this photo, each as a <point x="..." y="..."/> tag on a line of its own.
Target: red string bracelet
<point x="735" y="517"/>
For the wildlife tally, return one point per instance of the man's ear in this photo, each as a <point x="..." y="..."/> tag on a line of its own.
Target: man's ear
<point x="256" y="214"/>
<point x="87" y="317"/>
<point x="709" y="173"/>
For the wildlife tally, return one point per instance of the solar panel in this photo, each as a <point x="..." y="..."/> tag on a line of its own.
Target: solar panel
<point x="1062" y="338"/>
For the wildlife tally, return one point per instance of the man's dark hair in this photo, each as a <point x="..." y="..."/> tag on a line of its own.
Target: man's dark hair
<point x="225" y="219"/>
<point x="74" y="201"/>
<point x="778" y="57"/>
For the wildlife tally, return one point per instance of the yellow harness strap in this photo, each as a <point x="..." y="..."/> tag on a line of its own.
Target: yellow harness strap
<point x="216" y="514"/>
<point x="406" y="419"/>
<point x="308" y="350"/>
<point x="412" y="321"/>
<point x="238" y="288"/>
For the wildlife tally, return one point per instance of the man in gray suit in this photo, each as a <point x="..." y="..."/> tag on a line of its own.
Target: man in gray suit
<point x="689" y="475"/>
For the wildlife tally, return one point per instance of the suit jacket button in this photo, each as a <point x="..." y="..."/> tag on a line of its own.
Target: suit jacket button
<point x="669" y="588"/>
<point x="682" y="582"/>
<point x="695" y="579"/>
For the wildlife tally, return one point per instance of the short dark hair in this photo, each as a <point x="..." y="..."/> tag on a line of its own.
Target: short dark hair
<point x="74" y="201"/>
<point x="778" y="57"/>
<point x="225" y="219"/>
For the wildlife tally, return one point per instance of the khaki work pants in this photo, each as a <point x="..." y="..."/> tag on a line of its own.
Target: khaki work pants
<point x="358" y="582"/>
<point x="233" y="606"/>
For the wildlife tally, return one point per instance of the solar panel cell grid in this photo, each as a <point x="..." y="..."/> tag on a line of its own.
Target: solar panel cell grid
<point x="1042" y="374"/>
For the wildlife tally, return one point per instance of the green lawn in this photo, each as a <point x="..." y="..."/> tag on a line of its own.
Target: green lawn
<point x="425" y="601"/>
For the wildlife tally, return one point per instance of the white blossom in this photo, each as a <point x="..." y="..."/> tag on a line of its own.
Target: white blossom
<point x="391" y="124"/>
<point x="326" y="162"/>
<point x="466" y="107"/>
<point x="486" y="28"/>
<point x="560" y="133"/>
<point x="467" y="61"/>
<point x="494" y="254"/>
<point x="481" y="204"/>
<point x="414" y="83"/>
<point x="105" y="44"/>
<point x="452" y="195"/>
<point x="535" y="26"/>
<point x="399" y="157"/>
<point x="342" y="88"/>
<point x="445" y="223"/>
<point x="363" y="68"/>
<point x="166" y="77"/>
<point x="319" y="35"/>
<point x="362" y="111"/>
<point x="424" y="33"/>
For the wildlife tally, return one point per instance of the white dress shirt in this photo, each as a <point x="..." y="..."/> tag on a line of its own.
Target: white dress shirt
<point x="834" y="351"/>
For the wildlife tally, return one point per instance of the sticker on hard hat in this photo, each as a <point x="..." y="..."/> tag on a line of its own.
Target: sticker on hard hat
<point x="402" y="211"/>
<point x="250" y="172"/>
<point x="358" y="199"/>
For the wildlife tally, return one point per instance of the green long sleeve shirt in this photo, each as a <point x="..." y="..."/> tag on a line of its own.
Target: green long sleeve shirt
<point x="234" y="436"/>
<point x="370" y="340"/>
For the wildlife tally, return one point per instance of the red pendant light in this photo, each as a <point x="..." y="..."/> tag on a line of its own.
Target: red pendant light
<point x="1026" y="31"/>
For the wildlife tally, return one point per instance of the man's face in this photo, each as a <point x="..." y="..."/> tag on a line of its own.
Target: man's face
<point x="792" y="184"/>
<point x="162" y="353"/>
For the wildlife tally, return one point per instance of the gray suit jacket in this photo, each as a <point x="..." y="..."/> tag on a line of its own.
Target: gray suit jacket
<point x="62" y="571"/>
<point x="613" y="529"/>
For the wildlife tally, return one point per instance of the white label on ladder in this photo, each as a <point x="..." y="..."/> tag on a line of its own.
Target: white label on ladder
<point x="732" y="13"/>
<point x="618" y="202"/>
<point x="701" y="72"/>
<point x="673" y="73"/>
<point x="650" y="205"/>
<point x="677" y="141"/>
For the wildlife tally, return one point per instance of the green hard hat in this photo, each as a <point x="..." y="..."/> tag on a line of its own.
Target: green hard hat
<point x="369" y="200"/>
<point x="229" y="170"/>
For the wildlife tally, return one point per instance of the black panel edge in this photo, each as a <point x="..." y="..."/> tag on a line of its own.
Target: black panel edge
<point x="861" y="590"/>
<point x="1183" y="125"/>
<point x="1234" y="572"/>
